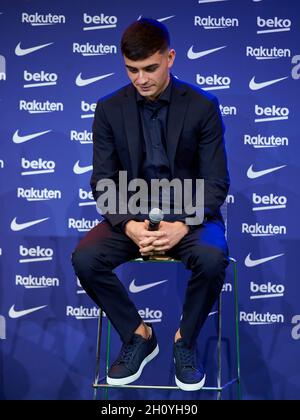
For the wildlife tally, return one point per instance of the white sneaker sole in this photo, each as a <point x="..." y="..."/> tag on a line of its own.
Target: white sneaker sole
<point x="132" y="378"/>
<point x="190" y="387"/>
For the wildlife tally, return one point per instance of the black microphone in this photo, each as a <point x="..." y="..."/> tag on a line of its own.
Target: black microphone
<point x="155" y="217"/>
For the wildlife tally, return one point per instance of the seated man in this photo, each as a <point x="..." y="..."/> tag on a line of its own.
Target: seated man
<point x="157" y="127"/>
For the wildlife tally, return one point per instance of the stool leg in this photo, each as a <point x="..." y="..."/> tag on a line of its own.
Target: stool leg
<point x="107" y="354"/>
<point x="219" y="376"/>
<point x="237" y="333"/>
<point x="98" y="349"/>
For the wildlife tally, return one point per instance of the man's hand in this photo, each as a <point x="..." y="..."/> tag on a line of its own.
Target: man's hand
<point x="138" y="232"/>
<point x="172" y="233"/>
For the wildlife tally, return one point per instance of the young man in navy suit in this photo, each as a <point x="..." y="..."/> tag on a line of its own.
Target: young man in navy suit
<point x="157" y="127"/>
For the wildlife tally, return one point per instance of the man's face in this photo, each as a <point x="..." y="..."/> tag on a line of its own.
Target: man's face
<point x="151" y="76"/>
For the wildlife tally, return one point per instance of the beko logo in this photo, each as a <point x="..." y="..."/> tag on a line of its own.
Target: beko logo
<point x="82" y="225"/>
<point x="18" y="139"/>
<point x="37" y="167"/>
<point x="227" y="110"/>
<point x="210" y="22"/>
<point x="269" y="202"/>
<point x="43" y="20"/>
<point x="32" y="282"/>
<point x="40" y="79"/>
<point x="86" y="198"/>
<point x="19" y="51"/>
<point x="273" y="25"/>
<point x="262" y="53"/>
<point x="264" y="142"/>
<point x="266" y="291"/>
<point x="32" y="194"/>
<point x="2" y="68"/>
<point x="36" y="107"/>
<point x="99" y="22"/>
<point x="254" y="318"/>
<point x="37" y="254"/>
<point x="84" y="137"/>
<point x="82" y="313"/>
<point x="258" y="230"/>
<point x="150" y="315"/>
<point x="214" y="82"/>
<point x="88" y="109"/>
<point x="274" y="113"/>
<point x="296" y="329"/>
<point x="89" y="50"/>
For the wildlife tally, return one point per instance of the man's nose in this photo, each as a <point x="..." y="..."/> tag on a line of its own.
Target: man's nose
<point x="141" y="78"/>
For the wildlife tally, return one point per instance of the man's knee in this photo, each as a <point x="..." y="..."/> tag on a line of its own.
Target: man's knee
<point x="211" y="260"/>
<point x="85" y="262"/>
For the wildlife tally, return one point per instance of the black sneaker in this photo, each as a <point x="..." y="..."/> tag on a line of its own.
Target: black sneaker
<point x="132" y="359"/>
<point x="189" y="377"/>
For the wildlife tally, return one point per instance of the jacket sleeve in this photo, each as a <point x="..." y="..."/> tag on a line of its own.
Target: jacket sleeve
<point x="106" y="166"/>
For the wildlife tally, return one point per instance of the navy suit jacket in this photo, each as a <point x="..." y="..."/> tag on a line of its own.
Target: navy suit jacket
<point x="195" y="142"/>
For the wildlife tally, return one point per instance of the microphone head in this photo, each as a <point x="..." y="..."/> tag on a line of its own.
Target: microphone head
<point x="156" y="215"/>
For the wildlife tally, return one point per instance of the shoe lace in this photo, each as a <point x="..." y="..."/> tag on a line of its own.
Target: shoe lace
<point x="187" y="357"/>
<point x="126" y="353"/>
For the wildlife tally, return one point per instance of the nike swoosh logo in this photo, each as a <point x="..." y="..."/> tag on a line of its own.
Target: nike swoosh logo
<point x="18" y="314"/>
<point x="210" y="1"/>
<point x="20" y="226"/>
<point x="256" y="174"/>
<point x="22" y="139"/>
<point x="253" y="85"/>
<point x="137" y="289"/>
<point x="78" y="170"/>
<point x="85" y="82"/>
<point x="194" y="55"/>
<point x="160" y="19"/>
<point x="253" y="263"/>
<point x="24" y="51"/>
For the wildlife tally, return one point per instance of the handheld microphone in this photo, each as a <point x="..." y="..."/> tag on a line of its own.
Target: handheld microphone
<point x="155" y="217"/>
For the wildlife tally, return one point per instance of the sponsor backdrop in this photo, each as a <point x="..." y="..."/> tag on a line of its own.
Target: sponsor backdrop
<point x="56" y="59"/>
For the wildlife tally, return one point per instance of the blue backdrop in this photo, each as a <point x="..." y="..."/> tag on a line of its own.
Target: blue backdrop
<point x="56" y="59"/>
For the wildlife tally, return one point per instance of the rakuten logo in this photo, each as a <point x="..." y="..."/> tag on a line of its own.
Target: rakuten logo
<point x="265" y="142"/>
<point x="32" y="194"/>
<point x="262" y="53"/>
<point x="254" y="318"/>
<point x="151" y="315"/>
<point x="214" y="82"/>
<point x="266" y="291"/>
<point x="228" y="110"/>
<point x="43" y="20"/>
<point x="32" y="282"/>
<point x="210" y="22"/>
<point x="273" y="113"/>
<point x="82" y="225"/>
<point x="269" y="202"/>
<point x="258" y="230"/>
<point x="82" y="313"/>
<point x="90" y="50"/>
<point x="37" y="167"/>
<point x="83" y="137"/>
<point x="40" y="79"/>
<point x="35" y="107"/>
<point x="273" y="25"/>
<point x="88" y="109"/>
<point x="99" y="22"/>
<point x="37" y="254"/>
<point x="86" y="198"/>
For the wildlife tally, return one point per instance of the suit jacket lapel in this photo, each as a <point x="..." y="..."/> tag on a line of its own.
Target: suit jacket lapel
<point x="133" y="135"/>
<point x="177" y="111"/>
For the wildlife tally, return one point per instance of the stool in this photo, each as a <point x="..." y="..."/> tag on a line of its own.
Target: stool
<point x="219" y="386"/>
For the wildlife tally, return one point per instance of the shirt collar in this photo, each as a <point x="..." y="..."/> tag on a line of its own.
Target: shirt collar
<point x="165" y="96"/>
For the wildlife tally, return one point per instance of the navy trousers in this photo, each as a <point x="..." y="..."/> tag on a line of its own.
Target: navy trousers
<point x="203" y="251"/>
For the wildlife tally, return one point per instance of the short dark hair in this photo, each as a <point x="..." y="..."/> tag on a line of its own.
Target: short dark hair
<point x="144" y="38"/>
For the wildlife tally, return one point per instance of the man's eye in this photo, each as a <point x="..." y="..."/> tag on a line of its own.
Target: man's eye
<point x="151" y="69"/>
<point x="132" y="70"/>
